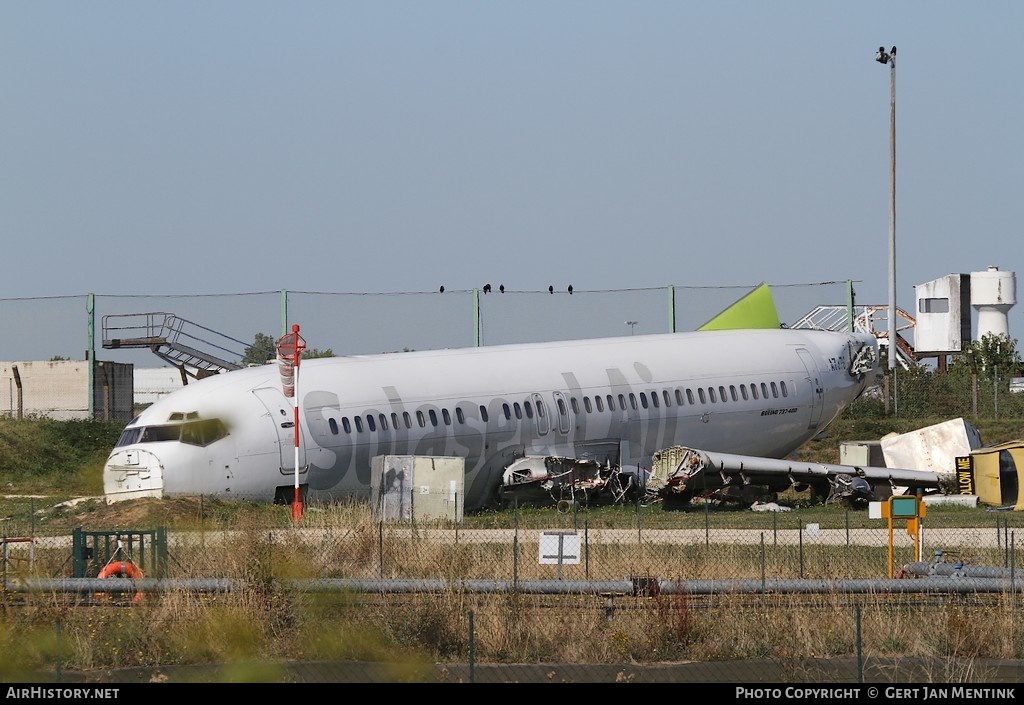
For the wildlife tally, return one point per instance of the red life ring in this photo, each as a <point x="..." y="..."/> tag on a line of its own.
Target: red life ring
<point x="120" y="569"/>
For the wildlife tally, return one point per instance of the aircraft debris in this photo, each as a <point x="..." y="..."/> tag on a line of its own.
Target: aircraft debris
<point x="547" y="479"/>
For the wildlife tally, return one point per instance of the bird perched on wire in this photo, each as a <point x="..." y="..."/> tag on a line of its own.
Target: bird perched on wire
<point x="487" y="288"/>
<point x="570" y="289"/>
<point x="501" y="288"/>
<point x="882" y="57"/>
<point x="551" y="289"/>
<point x="441" y="290"/>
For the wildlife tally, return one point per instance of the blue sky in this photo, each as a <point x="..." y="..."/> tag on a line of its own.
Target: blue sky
<point x="223" y="147"/>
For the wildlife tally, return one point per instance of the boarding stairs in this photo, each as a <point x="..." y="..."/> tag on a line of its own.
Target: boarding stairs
<point x="866" y="319"/>
<point x="194" y="349"/>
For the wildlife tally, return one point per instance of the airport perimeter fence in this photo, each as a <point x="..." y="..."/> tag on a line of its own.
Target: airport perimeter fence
<point x="71" y="329"/>
<point x="619" y="594"/>
<point x="43" y="330"/>
<point x="926" y="394"/>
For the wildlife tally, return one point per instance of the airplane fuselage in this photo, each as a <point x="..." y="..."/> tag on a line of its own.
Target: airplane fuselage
<point x="616" y="400"/>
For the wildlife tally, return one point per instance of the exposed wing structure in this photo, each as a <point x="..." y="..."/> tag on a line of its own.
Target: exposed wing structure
<point x="693" y="472"/>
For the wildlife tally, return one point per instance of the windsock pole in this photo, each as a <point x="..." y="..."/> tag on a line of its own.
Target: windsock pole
<point x="289" y="352"/>
<point x="297" y="503"/>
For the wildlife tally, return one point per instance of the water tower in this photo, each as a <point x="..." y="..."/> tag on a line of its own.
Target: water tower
<point x="993" y="294"/>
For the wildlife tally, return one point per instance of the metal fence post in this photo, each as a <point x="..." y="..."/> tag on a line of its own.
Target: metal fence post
<point x="472" y="648"/>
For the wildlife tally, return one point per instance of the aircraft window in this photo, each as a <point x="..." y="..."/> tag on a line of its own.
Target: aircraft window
<point x="192" y="415"/>
<point x="394" y="421"/>
<point x="528" y="407"/>
<point x="345" y="425"/>
<point x="753" y="390"/>
<point x="622" y="402"/>
<point x="518" y="409"/>
<point x="459" y="415"/>
<point x="540" y="409"/>
<point x="732" y="392"/>
<point x="700" y="393"/>
<point x="561" y="407"/>
<point x="775" y="390"/>
<point x="654" y="399"/>
<point x="689" y="396"/>
<point x="407" y="419"/>
<point x="128" y="436"/>
<point x="420" y="420"/>
<point x="447" y="417"/>
<point x="743" y="391"/>
<point x="203" y="433"/>
<point x="668" y="399"/>
<point x="785" y="391"/>
<point x="632" y="400"/>
<point x="192" y="434"/>
<point x="483" y="413"/>
<point x="721" y="393"/>
<point x="433" y="417"/>
<point x="383" y="422"/>
<point x="508" y="412"/>
<point x="711" y="394"/>
<point x="575" y="405"/>
<point x="359" y="423"/>
<point x="643" y="400"/>
<point x="764" y="390"/>
<point x="161" y="433"/>
<point x="176" y="416"/>
<point x="333" y="425"/>
<point x="370" y="423"/>
<point x="679" y="397"/>
<point x="587" y="405"/>
<point x="600" y="404"/>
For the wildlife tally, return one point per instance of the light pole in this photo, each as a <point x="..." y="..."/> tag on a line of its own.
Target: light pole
<point x="889" y="57"/>
<point x="632" y="325"/>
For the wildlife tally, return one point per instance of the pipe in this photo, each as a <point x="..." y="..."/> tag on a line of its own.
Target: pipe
<point x="635" y="586"/>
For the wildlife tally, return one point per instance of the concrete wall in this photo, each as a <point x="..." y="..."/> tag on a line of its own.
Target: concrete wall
<point x="153" y="383"/>
<point x="59" y="389"/>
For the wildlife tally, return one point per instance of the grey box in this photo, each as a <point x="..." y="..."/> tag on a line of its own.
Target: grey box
<point x="410" y="488"/>
<point x="863" y="454"/>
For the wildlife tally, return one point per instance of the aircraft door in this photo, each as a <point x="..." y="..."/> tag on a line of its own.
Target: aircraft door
<point x="281" y="413"/>
<point x="562" y="412"/>
<point x="817" y="389"/>
<point x="541" y="417"/>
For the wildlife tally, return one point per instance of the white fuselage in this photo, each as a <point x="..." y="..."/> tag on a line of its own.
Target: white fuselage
<point x="750" y="392"/>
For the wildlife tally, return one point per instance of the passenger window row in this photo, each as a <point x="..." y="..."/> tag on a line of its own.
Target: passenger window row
<point x="591" y="404"/>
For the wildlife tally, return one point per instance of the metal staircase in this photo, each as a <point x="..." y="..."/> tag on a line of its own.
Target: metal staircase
<point x="866" y="319"/>
<point x="196" y="350"/>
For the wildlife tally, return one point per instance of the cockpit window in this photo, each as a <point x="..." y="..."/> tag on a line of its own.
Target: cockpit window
<point x="197" y="433"/>
<point x="128" y="437"/>
<point x="203" y="433"/>
<point x="151" y="434"/>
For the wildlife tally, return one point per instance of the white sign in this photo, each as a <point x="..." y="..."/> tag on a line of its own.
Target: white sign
<point x="561" y="547"/>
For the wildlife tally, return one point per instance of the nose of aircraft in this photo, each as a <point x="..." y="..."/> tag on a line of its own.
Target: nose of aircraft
<point x="863" y="355"/>
<point x="131" y="473"/>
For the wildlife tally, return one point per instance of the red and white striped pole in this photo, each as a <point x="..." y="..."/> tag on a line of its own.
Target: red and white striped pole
<point x="289" y="352"/>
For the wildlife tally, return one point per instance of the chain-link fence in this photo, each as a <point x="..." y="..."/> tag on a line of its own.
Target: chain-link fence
<point x="70" y="328"/>
<point x="926" y="394"/>
<point x="627" y="593"/>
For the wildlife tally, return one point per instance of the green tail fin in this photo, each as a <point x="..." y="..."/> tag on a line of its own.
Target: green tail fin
<point x="755" y="310"/>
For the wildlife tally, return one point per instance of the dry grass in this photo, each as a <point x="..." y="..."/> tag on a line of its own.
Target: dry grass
<point x="271" y="619"/>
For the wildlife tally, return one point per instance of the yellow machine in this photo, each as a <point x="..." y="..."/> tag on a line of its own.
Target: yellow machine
<point x="994" y="474"/>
